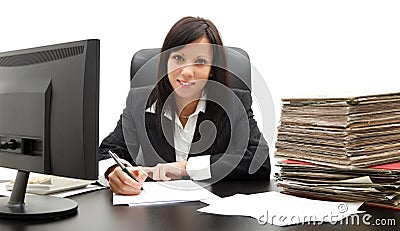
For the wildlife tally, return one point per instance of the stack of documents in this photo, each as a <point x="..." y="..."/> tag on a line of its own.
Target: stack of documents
<point x="378" y="185"/>
<point x="354" y="131"/>
<point x="341" y="148"/>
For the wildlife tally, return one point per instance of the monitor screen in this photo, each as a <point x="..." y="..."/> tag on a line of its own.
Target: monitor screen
<point x="49" y="105"/>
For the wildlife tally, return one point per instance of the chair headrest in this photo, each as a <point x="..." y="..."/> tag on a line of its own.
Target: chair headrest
<point x="237" y="60"/>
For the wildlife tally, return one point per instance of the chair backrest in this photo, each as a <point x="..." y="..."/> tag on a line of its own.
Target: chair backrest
<point x="237" y="59"/>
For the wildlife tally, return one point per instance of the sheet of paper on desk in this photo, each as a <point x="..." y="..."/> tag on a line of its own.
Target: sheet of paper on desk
<point x="166" y="192"/>
<point x="7" y="174"/>
<point x="280" y="209"/>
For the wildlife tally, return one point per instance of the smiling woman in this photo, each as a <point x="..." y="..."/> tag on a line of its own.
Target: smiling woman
<point x="191" y="124"/>
<point x="188" y="72"/>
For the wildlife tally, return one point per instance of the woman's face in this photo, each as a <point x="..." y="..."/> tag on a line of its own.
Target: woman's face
<point x="189" y="68"/>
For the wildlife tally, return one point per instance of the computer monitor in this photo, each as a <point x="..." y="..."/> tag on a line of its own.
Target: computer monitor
<point x="49" y="109"/>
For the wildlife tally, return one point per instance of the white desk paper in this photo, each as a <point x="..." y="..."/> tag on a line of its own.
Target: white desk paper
<point x="281" y="209"/>
<point x="166" y="192"/>
<point x="7" y="174"/>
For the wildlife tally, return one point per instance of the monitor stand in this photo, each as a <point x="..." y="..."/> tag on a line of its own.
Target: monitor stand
<point x="19" y="206"/>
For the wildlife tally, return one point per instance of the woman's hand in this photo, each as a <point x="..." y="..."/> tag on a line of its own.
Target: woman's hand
<point x="168" y="171"/>
<point x="122" y="183"/>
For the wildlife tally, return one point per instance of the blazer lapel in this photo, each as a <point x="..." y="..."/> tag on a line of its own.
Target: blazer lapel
<point x="165" y="152"/>
<point x="201" y="144"/>
<point x="168" y="140"/>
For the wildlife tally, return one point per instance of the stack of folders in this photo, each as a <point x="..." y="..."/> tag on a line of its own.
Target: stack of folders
<point x="377" y="185"/>
<point x="354" y="131"/>
<point x="331" y="144"/>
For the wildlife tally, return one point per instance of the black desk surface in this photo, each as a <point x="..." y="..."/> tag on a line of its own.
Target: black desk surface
<point x="97" y="213"/>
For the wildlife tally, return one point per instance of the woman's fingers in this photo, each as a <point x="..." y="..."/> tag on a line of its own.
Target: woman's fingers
<point x="148" y="171"/>
<point x="122" y="183"/>
<point x="156" y="173"/>
<point x="164" y="170"/>
<point x="126" y="179"/>
<point x="167" y="171"/>
<point x="139" y="174"/>
<point x="123" y="189"/>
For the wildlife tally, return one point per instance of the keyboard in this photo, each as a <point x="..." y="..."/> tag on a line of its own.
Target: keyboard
<point x="45" y="184"/>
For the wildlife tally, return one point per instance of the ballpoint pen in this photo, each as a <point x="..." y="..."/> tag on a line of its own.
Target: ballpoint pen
<point x="122" y="166"/>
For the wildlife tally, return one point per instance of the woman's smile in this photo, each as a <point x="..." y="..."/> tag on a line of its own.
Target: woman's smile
<point x="185" y="84"/>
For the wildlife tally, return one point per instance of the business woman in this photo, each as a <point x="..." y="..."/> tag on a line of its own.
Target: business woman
<point x="191" y="124"/>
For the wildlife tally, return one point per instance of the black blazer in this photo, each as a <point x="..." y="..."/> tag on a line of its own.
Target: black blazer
<point x="238" y="149"/>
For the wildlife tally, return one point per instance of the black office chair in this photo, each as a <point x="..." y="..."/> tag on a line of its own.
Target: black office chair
<point x="237" y="60"/>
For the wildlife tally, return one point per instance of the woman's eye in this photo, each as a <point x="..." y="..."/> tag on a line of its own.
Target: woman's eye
<point x="201" y="61"/>
<point x="178" y="58"/>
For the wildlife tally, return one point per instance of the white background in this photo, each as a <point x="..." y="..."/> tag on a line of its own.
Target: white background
<point x="299" y="47"/>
